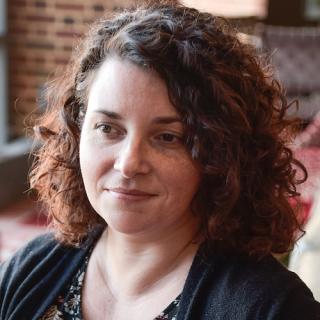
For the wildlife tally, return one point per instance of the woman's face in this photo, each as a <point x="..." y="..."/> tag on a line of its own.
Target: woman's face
<point x="136" y="170"/>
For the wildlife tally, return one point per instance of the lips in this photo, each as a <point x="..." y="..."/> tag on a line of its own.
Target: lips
<point x="129" y="194"/>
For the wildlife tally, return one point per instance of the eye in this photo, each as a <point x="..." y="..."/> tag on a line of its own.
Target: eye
<point x="105" y="128"/>
<point x="169" y="138"/>
<point x="111" y="131"/>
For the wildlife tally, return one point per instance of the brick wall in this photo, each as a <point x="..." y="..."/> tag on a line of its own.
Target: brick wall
<point x="41" y="36"/>
<point x="42" y="33"/>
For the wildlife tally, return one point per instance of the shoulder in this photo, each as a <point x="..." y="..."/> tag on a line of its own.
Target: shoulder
<point x="30" y="254"/>
<point x="242" y="287"/>
<point x="274" y="291"/>
<point x="30" y="262"/>
<point x="34" y="276"/>
<point x="38" y="250"/>
<point x="44" y="249"/>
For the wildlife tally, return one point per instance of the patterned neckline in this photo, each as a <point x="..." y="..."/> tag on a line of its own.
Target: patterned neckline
<point x="68" y="304"/>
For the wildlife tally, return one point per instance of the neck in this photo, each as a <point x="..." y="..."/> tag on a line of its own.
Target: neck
<point x="135" y="265"/>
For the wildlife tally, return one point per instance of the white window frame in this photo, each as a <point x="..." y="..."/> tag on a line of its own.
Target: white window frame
<point x="13" y="154"/>
<point x="8" y="149"/>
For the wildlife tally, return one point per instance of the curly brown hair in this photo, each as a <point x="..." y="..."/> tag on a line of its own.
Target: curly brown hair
<point x="234" y="117"/>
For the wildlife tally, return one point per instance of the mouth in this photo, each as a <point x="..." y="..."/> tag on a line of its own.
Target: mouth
<point x="130" y="194"/>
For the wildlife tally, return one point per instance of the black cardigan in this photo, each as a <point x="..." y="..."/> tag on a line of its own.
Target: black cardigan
<point x="220" y="284"/>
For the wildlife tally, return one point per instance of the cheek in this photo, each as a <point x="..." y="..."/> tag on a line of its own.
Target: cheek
<point x="86" y="165"/>
<point x="89" y="161"/>
<point x="182" y="179"/>
<point x="96" y="162"/>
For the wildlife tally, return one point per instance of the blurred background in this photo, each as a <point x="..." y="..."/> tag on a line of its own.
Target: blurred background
<point x="36" y="40"/>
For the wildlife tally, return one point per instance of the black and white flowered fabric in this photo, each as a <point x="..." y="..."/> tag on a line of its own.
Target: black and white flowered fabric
<point x="68" y="304"/>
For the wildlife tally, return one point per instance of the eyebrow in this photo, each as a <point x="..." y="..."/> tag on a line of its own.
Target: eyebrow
<point x="110" y="114"/>
<point x="166" y="120"/>
<point x="156" y="120"/>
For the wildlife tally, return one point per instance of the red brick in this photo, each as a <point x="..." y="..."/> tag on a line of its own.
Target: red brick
<point x="20" y="3"/>
<point x="39" y="60"/>
<point x="69" y="6"/>
<point x="41" y="34"/>
<point x="18" y="30"/>
<point x="12" y="16"/>
<point x="40" y="4"/>
<point x="40" y="18"/>
<point x="19" y="85"/>
<point x="67" y="48"/>
<point x="61" y="61"/>
<point x="18" y="59"/>
<point x="68" y="34"/>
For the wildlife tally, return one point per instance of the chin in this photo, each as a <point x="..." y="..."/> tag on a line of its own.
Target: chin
<point x="126" y="222"/>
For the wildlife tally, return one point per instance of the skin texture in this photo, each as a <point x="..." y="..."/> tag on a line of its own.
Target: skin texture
<point x="151" y="229"/>
<point x="135" y="152"/>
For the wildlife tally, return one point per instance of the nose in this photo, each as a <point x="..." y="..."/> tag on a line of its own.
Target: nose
<point x="132" y="158"/>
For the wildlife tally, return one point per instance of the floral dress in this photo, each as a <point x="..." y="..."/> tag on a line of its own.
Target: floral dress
<point x="68" y="305"/>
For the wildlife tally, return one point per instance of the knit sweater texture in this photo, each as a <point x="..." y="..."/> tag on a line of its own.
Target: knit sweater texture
<point x="221" y="285"/>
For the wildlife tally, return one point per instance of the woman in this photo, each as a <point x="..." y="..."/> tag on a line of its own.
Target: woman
<point x="166" y="173"/>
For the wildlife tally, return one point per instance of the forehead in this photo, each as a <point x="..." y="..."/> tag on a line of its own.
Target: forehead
<point x="123" y="87"/>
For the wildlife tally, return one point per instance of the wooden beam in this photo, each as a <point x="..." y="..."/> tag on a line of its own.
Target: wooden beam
<point x="286" y="12"/>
